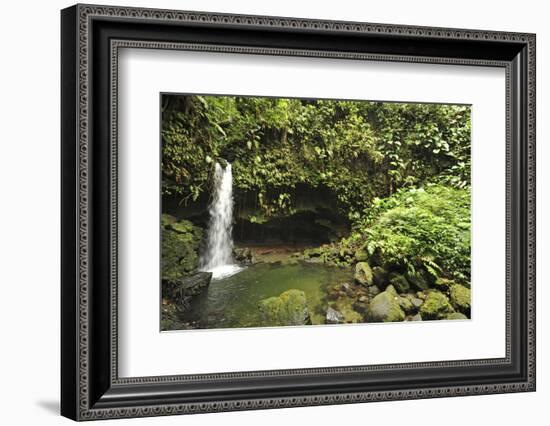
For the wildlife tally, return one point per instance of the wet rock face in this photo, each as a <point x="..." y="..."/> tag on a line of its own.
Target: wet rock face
<point x="181" y="242"/>
<point x="289" y="308"/>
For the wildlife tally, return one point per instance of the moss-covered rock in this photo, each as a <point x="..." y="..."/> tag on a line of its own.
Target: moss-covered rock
<point x="180" y="248"/>
<point x="363" y="274"/>
<point x="456" y="316"/>
<point x="385" y="307"/>
<point x="460" y="297"/>
<point x="399" y="282"/>
<point x="289" y="308"/>
<point x="436" y="306"/>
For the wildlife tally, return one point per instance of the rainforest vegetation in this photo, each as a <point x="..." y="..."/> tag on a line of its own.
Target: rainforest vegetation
<point x="378" y="189"/>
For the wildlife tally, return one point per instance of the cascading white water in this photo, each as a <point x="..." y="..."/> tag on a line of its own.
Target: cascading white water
<point x="218" y="256"/>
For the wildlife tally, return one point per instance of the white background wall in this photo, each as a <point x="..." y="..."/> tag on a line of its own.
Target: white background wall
<point x="29" y="212"/>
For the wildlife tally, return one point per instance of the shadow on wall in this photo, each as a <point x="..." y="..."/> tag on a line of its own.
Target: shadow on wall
<point x="51" y="407"/>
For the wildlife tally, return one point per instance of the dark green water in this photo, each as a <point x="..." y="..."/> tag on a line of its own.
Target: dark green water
<point x="233" y="302"/>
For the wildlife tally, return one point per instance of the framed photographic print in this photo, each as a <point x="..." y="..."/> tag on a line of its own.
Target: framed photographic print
<point x="263" y="212"/>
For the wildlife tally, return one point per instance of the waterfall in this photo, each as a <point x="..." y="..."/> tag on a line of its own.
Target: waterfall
<point x="218" y="256"/>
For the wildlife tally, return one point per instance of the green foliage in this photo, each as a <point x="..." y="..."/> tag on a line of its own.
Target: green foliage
<point x="420" y="141"/>
<point x="400" y="172"/>
<point x="426" y="231"/>
<point x="356" y="149"/>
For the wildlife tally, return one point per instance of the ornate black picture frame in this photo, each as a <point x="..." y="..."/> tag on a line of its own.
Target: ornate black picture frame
<point x="91" y="36"/>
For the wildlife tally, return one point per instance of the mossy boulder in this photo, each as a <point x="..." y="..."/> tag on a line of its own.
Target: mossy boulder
<point x="460" y="297"/>
<point x="180" y="248"/>
<point x="436" y="306"/>
<point x="363" y="274"/>
<point x="385" y="307"/>
<point x="399" y="282"/>
<point x="456" y="316"/>
<point x="289" y="308"/>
